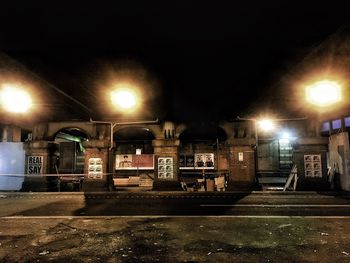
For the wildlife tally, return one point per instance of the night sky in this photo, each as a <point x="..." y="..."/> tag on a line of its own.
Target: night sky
<point x="193" y="60"/>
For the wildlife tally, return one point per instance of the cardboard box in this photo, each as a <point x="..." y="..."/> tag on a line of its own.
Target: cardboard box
<point x="134" y="180"/>
<point x="220" y="182"/>
<point x="121" y="181"/>
<point x="210" y="185"/>
<point x="201" y="189"/>
<point x="190" y="189"/>
<point x="146" y="183"/>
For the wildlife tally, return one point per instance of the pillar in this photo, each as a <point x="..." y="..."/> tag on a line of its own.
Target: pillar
<point x="11" y="133"/>
<point x="39" y="165"/>
<point x="339" y="159"/>
<point x="96" y="165"/>
<point x="242" y="164"/>
<point x="166" y="150"/>
<point x="309" y="176"/>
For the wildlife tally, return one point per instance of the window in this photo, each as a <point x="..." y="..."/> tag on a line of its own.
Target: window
<point x="336" y="124"/>
<point x="326" y="126"/>
<point x="347" y="121"/>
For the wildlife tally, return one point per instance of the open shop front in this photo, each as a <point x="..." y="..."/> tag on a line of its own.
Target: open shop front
<point x="70" y="158"/>
<point x="203" y="164"/>
<point x="134" y="170"/>
<point x="134" y="159"/>
<point x="198" y="173"/>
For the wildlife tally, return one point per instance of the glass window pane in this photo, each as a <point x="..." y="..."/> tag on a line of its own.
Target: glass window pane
<point x="325" y="126"/>
<point x="336" y="124"/>
<point x="347" y="121"/>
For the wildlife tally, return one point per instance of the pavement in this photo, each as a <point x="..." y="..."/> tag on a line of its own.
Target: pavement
<point x="99" y="227"/>
<point x="256" y="203"/>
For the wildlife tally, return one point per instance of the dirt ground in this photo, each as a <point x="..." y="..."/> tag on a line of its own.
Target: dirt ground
<point x="175" y="239"/>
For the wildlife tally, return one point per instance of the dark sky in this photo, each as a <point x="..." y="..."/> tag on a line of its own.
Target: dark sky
<point x="195" y="60"/>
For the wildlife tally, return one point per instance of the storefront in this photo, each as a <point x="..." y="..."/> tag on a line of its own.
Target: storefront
<point x="202" y="159"/>
<point x="150" y="157"/>
<point x="199" y="173"/>
<point x="133" y="159"/>
<point x="134" y="170"/>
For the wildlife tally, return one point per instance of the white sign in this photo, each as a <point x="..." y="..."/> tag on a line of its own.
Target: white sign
<point x="312" y="165"/>
<point x="133" y="162"/>
<point x="35" y="164"/>
<point x="204" y="160"/>
<point x="240" y="156"/>
<point x="95" y="168"/>
<point x="138" y="151"/>
<point x="165" y="168"/>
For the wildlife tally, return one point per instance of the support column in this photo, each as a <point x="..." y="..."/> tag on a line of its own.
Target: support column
<point x="339" y="160"/>
<point x="166" y="149"/>
<point x="96" y="165"/>
<point x="242" y="164"/>
<point x="311" y="177"/>
<point x="39" y="164"/>
<point x="11" y="133"/>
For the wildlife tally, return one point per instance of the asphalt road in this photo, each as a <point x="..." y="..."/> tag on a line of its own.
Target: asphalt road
<point x="174" y="203"/>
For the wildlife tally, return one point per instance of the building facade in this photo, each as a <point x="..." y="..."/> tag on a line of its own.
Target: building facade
<point x="101" y="156"/>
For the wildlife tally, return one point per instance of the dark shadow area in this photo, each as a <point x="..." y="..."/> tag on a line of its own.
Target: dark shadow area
<point x="203" y="132"/>
<point x="133" y="133"/>
<point x="147" y="203"/>
<point x="57" y="208"/>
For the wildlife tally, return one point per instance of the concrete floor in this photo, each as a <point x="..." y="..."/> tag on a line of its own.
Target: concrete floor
<point x="175" y="239"/>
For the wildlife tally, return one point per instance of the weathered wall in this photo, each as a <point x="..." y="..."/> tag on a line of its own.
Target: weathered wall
<point x="339" y="154"/>
<point x="88" y="127"/>
<point x="311" y="146"/>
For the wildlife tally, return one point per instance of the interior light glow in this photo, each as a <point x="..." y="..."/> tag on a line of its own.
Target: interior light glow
<point x="15" y="100"/>
<point x="323" y="93"/>
<point x="285" y="138"/>
<point x="285" y="135"/>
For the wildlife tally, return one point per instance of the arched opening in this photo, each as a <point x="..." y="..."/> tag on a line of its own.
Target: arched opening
<point x="129" y="139"/>
<point x="203" y="160"/>
<point x="134" y="159"/>
<point x="204" y="132"/>
<point x="69" y="158"/>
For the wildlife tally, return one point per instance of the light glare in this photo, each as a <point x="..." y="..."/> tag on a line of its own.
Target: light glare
<point x="323" y="93"/>
<point x="15" y="100"/>
<point x="266" y="125"/>
<point x="285" y="135"/>
<point x="123" y="98"/>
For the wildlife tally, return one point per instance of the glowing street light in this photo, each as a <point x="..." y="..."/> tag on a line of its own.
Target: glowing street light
<point x="323" y="93"/>
<point x="14" y="99"/>
<point x="124" y="98"/>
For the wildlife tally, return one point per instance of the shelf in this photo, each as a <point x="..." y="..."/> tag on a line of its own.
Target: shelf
<point x="197" y="168"/>
<point x="133" y="168"/>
